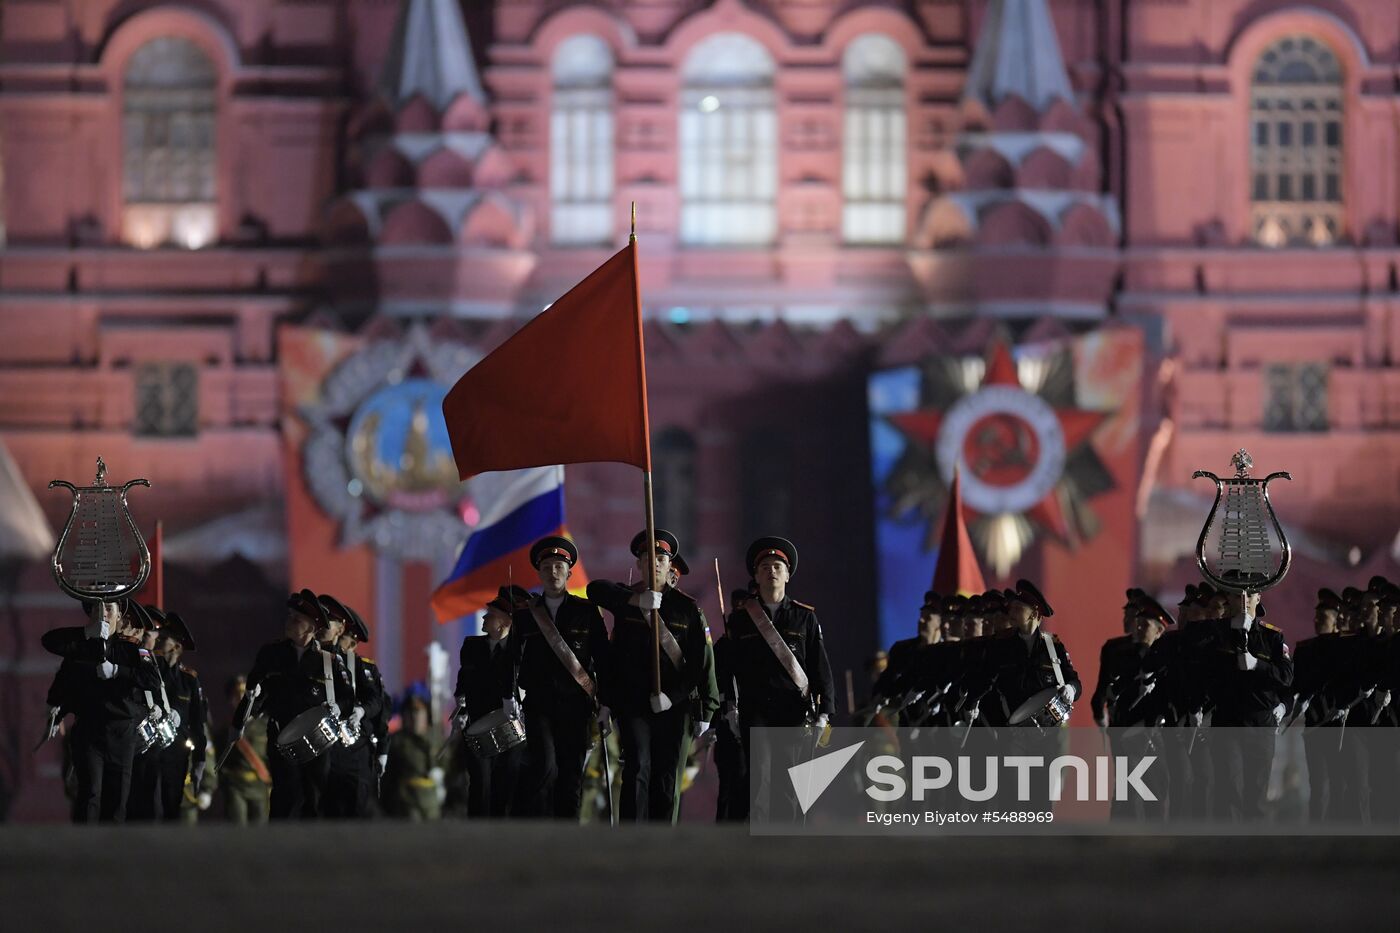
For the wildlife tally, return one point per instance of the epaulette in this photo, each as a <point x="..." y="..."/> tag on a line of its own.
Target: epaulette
<point x="804" y="606"/>
<point x="189" y="670"/>
<point x="365" y="659"/>
<point x="1270" y="627"/>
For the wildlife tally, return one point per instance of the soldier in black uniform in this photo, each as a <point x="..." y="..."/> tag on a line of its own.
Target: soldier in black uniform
<point x="781" y="685"/>
<point x="897" y="677"/>
<point x="290" y="673"/>
<point x="486" y="682"/>
<point x="1117" y="653"/>
<point x="1249" y="673"/>
<point x="565" y="682"/>
<point x="102" y="681"/>
<point x="656" y="728"/>
<point x="163" y="787"/>
<point x="1133" y="733"/>
<point x="350" y="780"/>
<point x="1322" y="686"/>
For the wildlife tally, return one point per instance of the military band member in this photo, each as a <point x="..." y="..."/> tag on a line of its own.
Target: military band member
<point x="782" y="671"/>
<point x="1119" y="651"/>
<point x="485" y="683"/>
<point x="350" y="781"/>
<point x="246" y="778"/>
<point x="102" y="682"/>
<point x="168" y="769"/>
<point x="560" y="645"/>
<point x="895" y="679"/>
<point x="291" y="675"/>
<point x="1249" y="674"/>
<point x="1133" y="733"/>
<point x="1322" y="683"/>
<point x="656" y="729"/>
<point x="1020" y="663"/>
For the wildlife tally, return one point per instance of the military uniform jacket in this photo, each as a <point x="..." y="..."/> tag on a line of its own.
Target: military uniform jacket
<point x="937" y="671"/>
<point x="628" y="688"/>
<point x="1115" y="657"/>
<point x="484" y="677"/>
<point x="369" y="693"/>
<point x="546" y="681"/>
<point x="762" y="677"/>
<point x="1323" y="674"/>
<point x="1371" y="661"/>
<point x="1176" y="663"/>
<point x="1016" y="671"/>
<point x="1245" y="698"/>
<point x="895" y="679"/>
<point x="291" y="686"/>
<point x="82" y="692"/>
<point x="186" y="696"/>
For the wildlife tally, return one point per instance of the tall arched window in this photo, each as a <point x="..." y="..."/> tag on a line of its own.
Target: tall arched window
<point x="581" y="142"/>
<point x="874" y="167"/>
<point x="673" y="465"/>
<point x="729" y="153"/>
<point x="1296" y="117"/>
<point x="168" y="150"/>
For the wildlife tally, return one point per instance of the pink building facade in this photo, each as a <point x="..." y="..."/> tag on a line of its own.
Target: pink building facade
<point x="823" y="188"/>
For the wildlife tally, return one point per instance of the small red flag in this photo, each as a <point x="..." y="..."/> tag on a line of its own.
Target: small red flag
<point x="957" y="570"/>
<point x="568" y="387"/>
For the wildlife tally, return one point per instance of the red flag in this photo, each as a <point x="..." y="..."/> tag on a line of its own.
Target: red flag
<point x="957" y="570"/>
<point x="569" y="387"/>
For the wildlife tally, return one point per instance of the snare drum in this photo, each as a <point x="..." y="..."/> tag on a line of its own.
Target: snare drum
<point x="1046" y="709"/>
<point x="309" y="735"/>
<point x="494" y="733"/>
<point x="157" y="731"/>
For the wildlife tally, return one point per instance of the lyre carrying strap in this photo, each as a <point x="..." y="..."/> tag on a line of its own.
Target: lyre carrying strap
<point x="776" y="644"/>
<point x="561" y="649"/>
<point x="1054" y="658"/>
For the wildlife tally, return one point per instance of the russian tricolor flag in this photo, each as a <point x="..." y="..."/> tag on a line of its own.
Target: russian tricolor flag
<point x="525" y="507"/>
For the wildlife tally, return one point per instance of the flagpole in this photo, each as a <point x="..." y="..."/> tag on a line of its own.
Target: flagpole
<point x="659" y="699"/>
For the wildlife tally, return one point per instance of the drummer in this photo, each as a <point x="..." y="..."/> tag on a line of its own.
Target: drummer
<point x="485" y="684"/>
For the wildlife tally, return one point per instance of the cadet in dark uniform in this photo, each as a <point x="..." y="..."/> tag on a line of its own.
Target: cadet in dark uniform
<point x="1133" y="733"/>
<point x="656" y="729"/>
<point x="562" y="673"/>
<point x="895" y="680"/>
<point x="350" y="781"/>
<point x="102" y="681"/>
<point x="169" y="767"/>
<point x="485" y="682"/>
<point x="1118" y="652"/>
<point x="1249" y="673"/>
<point x="1321" y="684"/>
<point x="291" y="675"/>
<point x="783" y="674"/>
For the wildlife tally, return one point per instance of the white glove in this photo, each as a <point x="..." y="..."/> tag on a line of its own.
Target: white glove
<point x="106" y="670"/>
<point x="512" y="707"/>
<point x="648" y="600"/>
<point x="460" y="719"/>
<point x="822" y="722"/>
<point x="204" y="800"/>
<point x="732" y="717"/>
<point x="99" y="629"/>
<point x="437" y="775"/>
<point x="383" y="762"/>
<point x="356" y="716"/>
<point x="701" y="728"/>
<point x="1280" y="711"/>
<point x="1102" y="721"/>
<point x="1385" y="699"/>
<point x="605" y="725"/>
<point x="1248" y="662"/>
<point x="1066" y="692"/>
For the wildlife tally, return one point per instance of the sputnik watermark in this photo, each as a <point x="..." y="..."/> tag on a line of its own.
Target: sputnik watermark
<point x="1114" y="777"/>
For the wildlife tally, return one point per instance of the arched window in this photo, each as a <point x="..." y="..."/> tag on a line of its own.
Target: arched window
<point x="874" y="167"/>
<point x="1296" y="118"/>
<point x="168" y="127"/>
<point x="581" y="142"/>
<point x="729" y="154"/>
<point x="673" y="465"/>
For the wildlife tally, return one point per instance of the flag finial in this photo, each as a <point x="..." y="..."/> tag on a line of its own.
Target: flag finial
<point x="632" y="237"/>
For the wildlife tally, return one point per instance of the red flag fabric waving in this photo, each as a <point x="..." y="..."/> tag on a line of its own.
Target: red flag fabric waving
<point x="568" y="387"/>
<point x="957" y="570"/>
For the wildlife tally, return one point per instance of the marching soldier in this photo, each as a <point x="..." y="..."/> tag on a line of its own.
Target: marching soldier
<point x="246" y="778"/>
<point x="169" y="768"/>
<point x="1249" y="672"/>
<point x="732" y="801"/>
<point x="486" y="683"/>
<point x="1133" y="733"/>
<point x="781" y="668"/>
<point x="294" y="675"/>
<point x="560" y="645"/>
<point x="1117" y="653"/>
<point x="1321" y="683"/>
<point x="101" y="681"/>
<point x="351" y="776"/>
<point x="656" y="728"/>
<point x="894" y="680"/>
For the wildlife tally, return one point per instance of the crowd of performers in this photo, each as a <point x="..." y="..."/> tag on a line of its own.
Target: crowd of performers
<point x="546" y="692"/>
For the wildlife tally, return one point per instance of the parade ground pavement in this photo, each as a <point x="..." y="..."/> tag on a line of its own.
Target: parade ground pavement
<point x="390" y="877"/>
